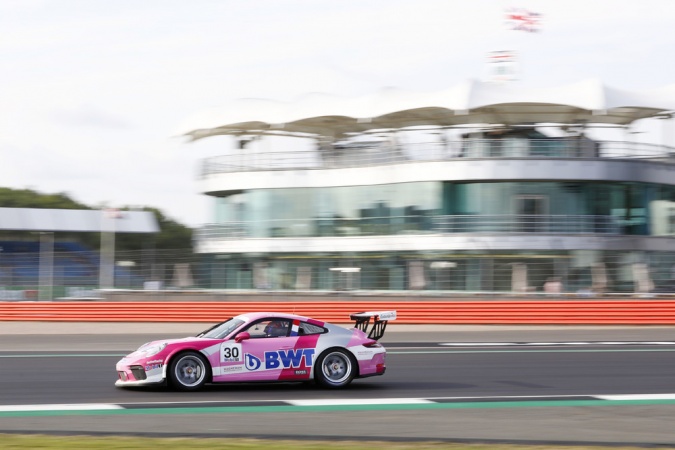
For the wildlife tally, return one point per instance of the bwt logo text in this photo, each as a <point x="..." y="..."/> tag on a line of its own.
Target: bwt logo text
<point x="289" y="358"/>
<point x="282" y="359"/>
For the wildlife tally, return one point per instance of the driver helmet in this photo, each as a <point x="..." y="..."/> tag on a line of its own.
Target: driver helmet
<point x="276" y="328"/>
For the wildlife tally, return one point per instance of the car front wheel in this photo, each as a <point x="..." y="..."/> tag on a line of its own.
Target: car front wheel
<point x="188" y="371"/>
<point x="335" y="369"/>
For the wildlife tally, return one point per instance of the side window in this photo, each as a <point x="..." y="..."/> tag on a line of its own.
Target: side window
<point x="269" y="328"/>
<point x="307" y="328"/>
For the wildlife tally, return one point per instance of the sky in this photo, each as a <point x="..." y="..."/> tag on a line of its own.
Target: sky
<point x="93" y="92"/>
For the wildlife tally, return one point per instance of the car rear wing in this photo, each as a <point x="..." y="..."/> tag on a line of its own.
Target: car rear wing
<point x="380" y="319"/>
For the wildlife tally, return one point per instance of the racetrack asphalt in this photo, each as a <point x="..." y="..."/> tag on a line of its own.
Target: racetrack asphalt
<point x="512" y="372"/>
<point x="125" y="337"/>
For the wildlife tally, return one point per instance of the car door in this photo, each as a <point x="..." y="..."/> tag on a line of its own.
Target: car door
<point x="270" y="352"/>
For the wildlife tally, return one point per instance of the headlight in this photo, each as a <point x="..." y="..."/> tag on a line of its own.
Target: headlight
<point x="152" y="350"/>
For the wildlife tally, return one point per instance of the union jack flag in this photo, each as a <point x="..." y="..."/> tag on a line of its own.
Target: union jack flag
<point x="523" y="20"/>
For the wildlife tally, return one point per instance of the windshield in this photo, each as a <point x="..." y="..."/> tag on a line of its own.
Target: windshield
<point x="222" y="329"/>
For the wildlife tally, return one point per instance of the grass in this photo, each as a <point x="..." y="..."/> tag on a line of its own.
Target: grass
<point x="18" y="441"/>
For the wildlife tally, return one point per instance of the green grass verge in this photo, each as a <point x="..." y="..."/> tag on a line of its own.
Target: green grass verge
<point x="18" y="441"/>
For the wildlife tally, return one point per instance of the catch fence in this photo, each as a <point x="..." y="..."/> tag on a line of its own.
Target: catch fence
<point x="578" y="274"/>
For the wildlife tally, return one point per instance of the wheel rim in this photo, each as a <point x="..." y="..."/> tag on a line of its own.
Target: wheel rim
<point x="336" y="367"/>
<point x="190" y="370"/>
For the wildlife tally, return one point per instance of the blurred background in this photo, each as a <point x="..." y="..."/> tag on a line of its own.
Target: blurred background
<point x="436" y="148"/>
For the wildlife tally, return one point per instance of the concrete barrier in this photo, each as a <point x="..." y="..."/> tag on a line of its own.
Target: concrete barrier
<point x="17" y="295"/>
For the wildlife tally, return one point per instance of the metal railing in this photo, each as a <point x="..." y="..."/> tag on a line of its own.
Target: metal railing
<point x="393" y="225"/>
<point x="375" y="155"/>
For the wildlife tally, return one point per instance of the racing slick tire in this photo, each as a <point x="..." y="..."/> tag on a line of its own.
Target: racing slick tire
<point x="336" y="368"/>
<point x="188" y="371"/>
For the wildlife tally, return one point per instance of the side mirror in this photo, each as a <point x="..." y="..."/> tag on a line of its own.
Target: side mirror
<point x="241" y="336"/>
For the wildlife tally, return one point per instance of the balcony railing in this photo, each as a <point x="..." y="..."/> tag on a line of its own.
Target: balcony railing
<point x="381" y="154"/>
<point x="386" y="226"/>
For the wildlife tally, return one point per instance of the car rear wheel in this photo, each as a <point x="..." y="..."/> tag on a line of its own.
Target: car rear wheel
<point x="335" y="369"/>
<point x="188" y="371"/>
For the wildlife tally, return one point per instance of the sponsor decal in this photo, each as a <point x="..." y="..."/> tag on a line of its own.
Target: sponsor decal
<point x="301" y="372"/>
<point x="231" y="369"/>
<point x="149" y="367"/>
<point x="289" y="358"/>
<point x="252" y="363"/>
<point x="281" y="359"/>
<point x="387" y="315"/>
<point x="231" y="353"/>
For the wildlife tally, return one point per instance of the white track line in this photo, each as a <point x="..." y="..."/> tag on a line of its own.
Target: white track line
<point x="550" y="344"/>
<point x="374" y="401"/>
<point x="60" y="407"/>
<point x="339" y="402"/>
<point x="637" y="397"/>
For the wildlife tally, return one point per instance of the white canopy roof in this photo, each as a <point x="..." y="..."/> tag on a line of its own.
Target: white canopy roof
<point x="472" y="102"/>
<point x="77" y="220"/>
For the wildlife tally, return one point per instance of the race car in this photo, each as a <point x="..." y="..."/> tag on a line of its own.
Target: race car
<point x="263" y="346"/>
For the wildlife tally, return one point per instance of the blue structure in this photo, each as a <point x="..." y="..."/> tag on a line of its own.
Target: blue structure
<point x="47" y="263"/>
<point x="74" y="264"/>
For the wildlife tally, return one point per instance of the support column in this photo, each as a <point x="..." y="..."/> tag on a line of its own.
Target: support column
<point x="46" y="266"/>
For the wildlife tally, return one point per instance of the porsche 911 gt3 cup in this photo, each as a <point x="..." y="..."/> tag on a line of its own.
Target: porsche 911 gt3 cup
<point x="263" y="347"/>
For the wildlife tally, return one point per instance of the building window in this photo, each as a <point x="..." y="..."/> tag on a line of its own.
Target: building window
<point x="531" y="210"/>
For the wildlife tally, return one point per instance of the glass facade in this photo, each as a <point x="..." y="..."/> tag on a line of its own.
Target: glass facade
<point x="339" y="211"/>
<point x="556" y="207"/>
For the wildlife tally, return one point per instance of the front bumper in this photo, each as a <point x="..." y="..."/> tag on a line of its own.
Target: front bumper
<point x="139" y="372"/>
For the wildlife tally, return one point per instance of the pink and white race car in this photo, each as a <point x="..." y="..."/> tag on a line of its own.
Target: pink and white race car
<point x="263" y="347"/>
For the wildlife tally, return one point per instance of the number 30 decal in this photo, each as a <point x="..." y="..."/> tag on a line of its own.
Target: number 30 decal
<point x="230" y="352"/>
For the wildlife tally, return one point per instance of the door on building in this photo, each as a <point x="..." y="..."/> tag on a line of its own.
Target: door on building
<point x="531" y="211"/>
